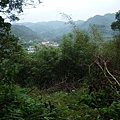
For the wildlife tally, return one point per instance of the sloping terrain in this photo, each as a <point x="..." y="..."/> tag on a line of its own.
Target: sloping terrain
<point x="56" y="29"/>
<point x="24" y="33"/>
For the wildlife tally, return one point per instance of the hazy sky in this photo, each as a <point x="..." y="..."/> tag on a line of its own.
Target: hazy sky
<point x="50" y="10"/>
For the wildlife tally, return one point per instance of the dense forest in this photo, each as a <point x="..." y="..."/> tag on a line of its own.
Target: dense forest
<point x="77" y="80"/>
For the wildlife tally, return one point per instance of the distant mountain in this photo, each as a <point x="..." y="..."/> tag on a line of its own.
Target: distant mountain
<point x="50" y="30"/>
<point x="107" y="19"/>
<point x="24" y="33"/>
<point x="56" y="29"/>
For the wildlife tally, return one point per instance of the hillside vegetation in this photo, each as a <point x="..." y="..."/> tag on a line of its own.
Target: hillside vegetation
<point x="54" y="30"/>
<point x="77" y="80"/>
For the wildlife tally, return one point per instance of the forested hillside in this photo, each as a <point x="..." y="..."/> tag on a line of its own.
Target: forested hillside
<point x="24" y="33"/>
<point x="77" y="80"/>
<point x="56" y="29"/>
<point x="103" y="23"/>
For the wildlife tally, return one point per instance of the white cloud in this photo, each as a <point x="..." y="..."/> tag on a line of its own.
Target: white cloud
<point x="79" y="9"/>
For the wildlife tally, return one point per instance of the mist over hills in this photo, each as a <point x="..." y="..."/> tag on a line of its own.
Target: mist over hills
<point x="54" y="30"/>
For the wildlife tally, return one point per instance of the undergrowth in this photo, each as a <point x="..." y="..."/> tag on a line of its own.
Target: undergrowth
<point x="18" y="103"/>
<point x="80" y="105"/>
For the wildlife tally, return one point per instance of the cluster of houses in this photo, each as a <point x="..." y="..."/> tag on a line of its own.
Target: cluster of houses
<point x="31" y="49"/>
<point x="48" y="43"/>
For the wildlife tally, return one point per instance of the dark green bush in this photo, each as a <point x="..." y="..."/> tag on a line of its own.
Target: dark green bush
<point x="16" y="104"/>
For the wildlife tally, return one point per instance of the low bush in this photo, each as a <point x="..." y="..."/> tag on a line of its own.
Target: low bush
<point x="16" y="104"/>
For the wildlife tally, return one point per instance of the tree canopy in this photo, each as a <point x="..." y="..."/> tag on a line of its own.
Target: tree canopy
<point x="9" y="8"/>
<point x="116" y="25"/>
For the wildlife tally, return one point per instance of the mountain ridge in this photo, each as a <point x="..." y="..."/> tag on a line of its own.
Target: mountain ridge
<point x="56" y="29"/>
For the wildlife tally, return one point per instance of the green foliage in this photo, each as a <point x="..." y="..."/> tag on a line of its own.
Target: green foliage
<point x="111" y="49"/>
<point x="79" y="105"/>
<point x="112" y="112"/>
<point x="108" y="49"/>
<point x="95" y="33"/>
<point x="40" y="68"/>
<point x="12" y="7"/>
<point x="10" y="52"/>
<point x="77" y="53"/>
<point x="116" y="25"/>
<point x="117" y="51"/>
<point x="16" y="104"/>
<point x="49" y="65"/>
<point x="4" y="26"/>
<point x="96" y="37"/>
<point x="25" y="34"/>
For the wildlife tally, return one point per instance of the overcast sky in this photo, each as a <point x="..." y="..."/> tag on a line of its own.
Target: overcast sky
<point x="50" y="10"/>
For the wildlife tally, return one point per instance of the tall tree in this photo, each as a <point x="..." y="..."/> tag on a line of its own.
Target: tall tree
<point x="9" y="47"/>
<point x="116" y="25"/>
<point x="96" y="37"/>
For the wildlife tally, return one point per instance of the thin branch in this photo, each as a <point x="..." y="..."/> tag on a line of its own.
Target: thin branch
<point x="111" y="74"/>
<point x="104" y="72"/>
